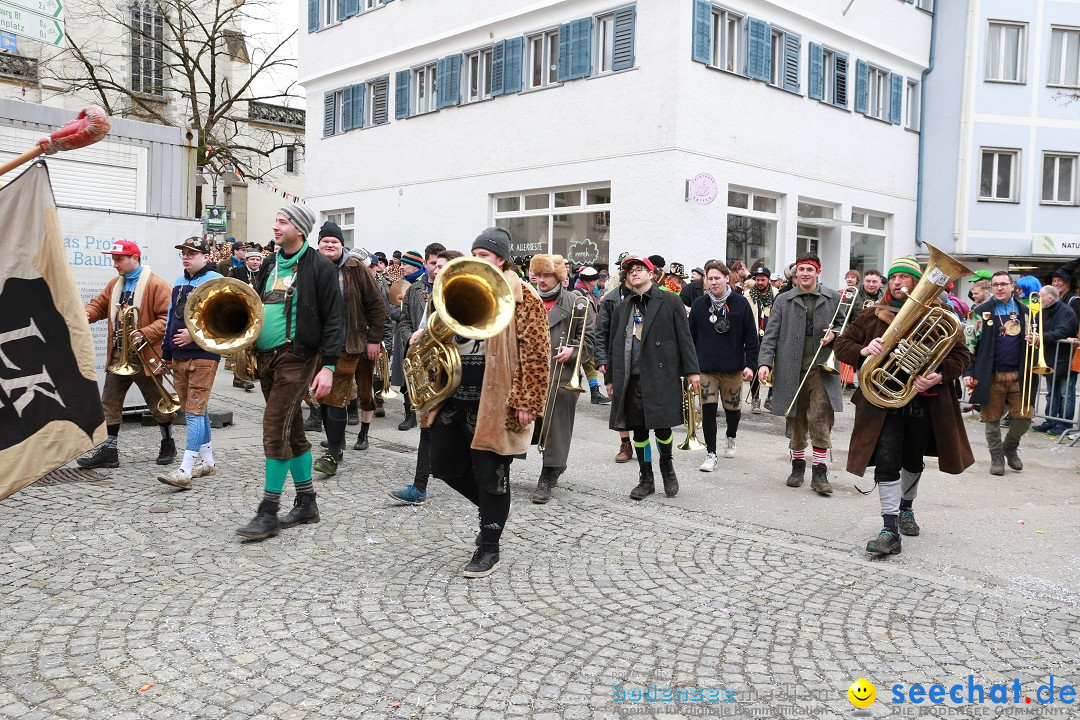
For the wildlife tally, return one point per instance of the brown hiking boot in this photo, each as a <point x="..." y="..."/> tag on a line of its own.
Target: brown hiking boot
<point x="626" y="451"/>
<point x="819" y="479"/>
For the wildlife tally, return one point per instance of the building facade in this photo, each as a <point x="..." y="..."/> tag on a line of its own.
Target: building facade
<point x="748" y="129"/>
<point x="1002" y="135"/>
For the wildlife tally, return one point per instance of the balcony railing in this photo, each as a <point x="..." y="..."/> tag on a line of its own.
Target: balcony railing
<point x="18" y="67"/>
<point x="276" y="115"/>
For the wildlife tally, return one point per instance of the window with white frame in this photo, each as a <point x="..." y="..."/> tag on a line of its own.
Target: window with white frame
<point x="574" y="222"/>
<point x="345" y="219"/>
<point x="878" y="93"/>
<point x="147" y="48"/>
<point x="1064" y="57"/>
<point x="329" y="12"/>
<point x="613" y="39"/>
<point x="424" y="86"/>
<point x="998" y="179"/>
<point x="751" y="226"/>
<point x="784" y="68"/>
<point x="868" y="240"/>
<point x="478" y="75"/>
<point x="1059" y="179"/>
<point x="927" y="5"/>
<point x="543" y="49"/>
<point x="727" y="35"/>
<point x="370" y="4"/>
<point x="605" y="41"/>
<point x="377" y="106"/>
<point x="1005" y="51"/>
<point x="911" y="105"/>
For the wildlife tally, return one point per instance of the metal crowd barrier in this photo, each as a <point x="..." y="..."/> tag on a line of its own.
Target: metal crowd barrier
<point x="1057" y="394"/>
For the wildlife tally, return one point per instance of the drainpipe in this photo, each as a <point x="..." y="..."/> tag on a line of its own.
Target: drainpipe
<point x="922" y="128"/>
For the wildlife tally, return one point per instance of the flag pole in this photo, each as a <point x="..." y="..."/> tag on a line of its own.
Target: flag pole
<point x="90" y="126"/>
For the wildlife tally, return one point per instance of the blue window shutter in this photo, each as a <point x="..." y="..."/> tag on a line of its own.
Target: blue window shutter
<point x="353" y="7"/>
<point x="455" y="73"/>
<point x="816" y="89"/>
<point x="401" y="93"/>
<point x="896" y="98"/>
<point x="622" y="56"/>
<point x="792" y="52"/>
<point x="329" y="105"/>
<point x="387" y="1"/>
<point x="512" y="65"/>
<point x="701" y="49"/>
<point x="581" y="48"/>
<point x="346" y="108"/>
<point x="442" y="72"/>
<point x="564" y="53"/>
<point x="448" y="89"/>
<point x="359" y="94"/>
<point x="758" y="49"/>
<point x="380" y="90"/>
<point x="862" y="85"/>
<point x="312" y="15"/>
<point x="840" y="80"/>
<point x="498" y="61"/>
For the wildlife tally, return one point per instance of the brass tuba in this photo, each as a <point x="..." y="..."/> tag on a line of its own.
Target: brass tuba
<point x="224" y="316"/>
<point x="472" y="299"/>
<point x="917" y="339"/>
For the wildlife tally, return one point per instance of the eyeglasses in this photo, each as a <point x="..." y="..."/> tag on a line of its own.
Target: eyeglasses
<point x="636" y="269"/>
<point x="1001" y="284"/>
<point x="189" y="253"/>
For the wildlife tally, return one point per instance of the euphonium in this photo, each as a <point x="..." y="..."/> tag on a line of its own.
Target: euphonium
<point x="224" y="315"/>
<point x="472" y="299"/>
<point x="917" y="339"/>
<point x="127" y="324"/>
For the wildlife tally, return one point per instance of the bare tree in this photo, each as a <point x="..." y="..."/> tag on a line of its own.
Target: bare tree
<point x="187" y="63"/>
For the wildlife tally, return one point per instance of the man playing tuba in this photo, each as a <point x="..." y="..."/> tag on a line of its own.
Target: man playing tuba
<point x="136" y="287"/>
<point x="895" y="440"/>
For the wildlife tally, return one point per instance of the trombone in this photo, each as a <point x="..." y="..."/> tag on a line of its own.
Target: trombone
<point x="691" y="401"/>
<point x="832" y="365"/>
<point x="1034" y="357"/>
<point x="579" y="314"/>
<point x="132" y="347"/>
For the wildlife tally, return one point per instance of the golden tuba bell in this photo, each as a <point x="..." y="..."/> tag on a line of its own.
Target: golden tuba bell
<point x="473" y="299"/>
<point x="691" y="402"/>
<point x="917" y="339"/>
<point x="224" y="315"/>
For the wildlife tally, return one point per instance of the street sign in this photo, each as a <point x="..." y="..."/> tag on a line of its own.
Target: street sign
<point x="48" y="8"/>
<point x="215" y="218"/>
<point x="7" y="42"/>
<point x="20" y="21"/>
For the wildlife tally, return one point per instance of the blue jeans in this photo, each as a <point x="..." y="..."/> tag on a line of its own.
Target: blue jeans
<point x="1061" y="399"/>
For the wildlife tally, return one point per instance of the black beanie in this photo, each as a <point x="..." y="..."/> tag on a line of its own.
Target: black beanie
<point x="331" y="229"/>
<point x="495" y="239"/>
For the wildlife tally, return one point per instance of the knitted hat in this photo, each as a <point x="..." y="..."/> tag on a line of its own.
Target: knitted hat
<point x="300" y="216"/>
<point x="412" y="258"/>
<point x="906" y="264"/>
<point x="495" y="240"/>
<point x="588" y="273"/>
<point x="252" y="253"/>
<point x="331" y="229"/>
<point x="548" y="264"/>
<point x="657" y="262"/>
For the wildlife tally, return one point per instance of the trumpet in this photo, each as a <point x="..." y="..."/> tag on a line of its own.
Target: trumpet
<point x="1034" y="357"/>
<point x="832" y="365"/>
<point x="579" y="314"/>
<point x="691" y="400"/>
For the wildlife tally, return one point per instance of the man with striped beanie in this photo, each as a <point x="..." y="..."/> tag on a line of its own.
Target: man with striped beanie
<point x="895" y="440"/>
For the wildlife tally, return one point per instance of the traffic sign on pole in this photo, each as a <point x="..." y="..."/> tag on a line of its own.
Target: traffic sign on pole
<point x="48" y="8"/>
<point x="22" y="22"/>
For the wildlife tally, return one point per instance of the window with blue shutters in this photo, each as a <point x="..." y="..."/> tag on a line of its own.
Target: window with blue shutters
<point x="827" y="78"/>
<point x="512" y="61"/>
<point x="401" y="93"/>
<point x="347" y="8"/>
<point x="424" y="89"/>
<point x="575" y="50"/>
<point x="896" y="98"/>
<point x="615" y="40"/>
<point x="346" y="108"/>
<point x="543" y="58"/>
<point x="839" y="80"/>
<point x="873" y="91"/>
<point x="759" y="50"/>
<point x="449" y="74"/>
<point x="498" y="60"/>
<point x="862" y="80"/>
<point x="352" y="106"/>
<point x="784" y="53"/>
<point x="477" y="71"/>
<point x="701" y="44"/>
<point x="816" y="86"/>
<point x="312" y="15"/>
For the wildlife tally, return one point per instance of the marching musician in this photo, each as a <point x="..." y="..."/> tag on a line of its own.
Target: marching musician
<point x="618" y="292"/>
<point x="871" y="291"/>
<point x="761" y="297"/>
<point x="302" y="319"/>
<point x="801" y="320"/>
<point x="364" y="314"/>
<point x="648" y="352"/>
<point x="726" y="340"/>
<point x="135" y="286"/>
<point x="895" y="441"/>
<point x="568" y="341"/>
<point x="488" y="420"/>
<point x="193" y="369"/>
<point x="412" y="311"/>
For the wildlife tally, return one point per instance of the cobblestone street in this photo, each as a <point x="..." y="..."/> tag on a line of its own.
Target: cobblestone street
<point x="115" y="609"/>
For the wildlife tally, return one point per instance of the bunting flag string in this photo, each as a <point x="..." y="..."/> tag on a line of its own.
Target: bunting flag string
<point x="262" y="183"/>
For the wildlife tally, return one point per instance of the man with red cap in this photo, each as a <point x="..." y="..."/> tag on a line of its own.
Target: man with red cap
<point x="134" y="287"/>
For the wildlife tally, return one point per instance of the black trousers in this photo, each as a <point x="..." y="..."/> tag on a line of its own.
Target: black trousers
<point x="903" y="441"/>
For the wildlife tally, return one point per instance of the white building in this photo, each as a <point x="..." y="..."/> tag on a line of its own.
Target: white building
<point x="746" y="129"/>
<point x="1002" y="141"/>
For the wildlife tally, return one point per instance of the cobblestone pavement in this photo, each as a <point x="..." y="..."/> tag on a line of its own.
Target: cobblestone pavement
<point x="112" y="611"/>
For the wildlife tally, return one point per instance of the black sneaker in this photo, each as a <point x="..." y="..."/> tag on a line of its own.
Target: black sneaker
<point x="327" y="464"/>
<point x="167" y="453"/>
<point x="361" y="443"/>
<point x="907" y="523"/>
<point x="886" y="543"/>
<point x="103" y="457"/>
<point x="484" y="562"/>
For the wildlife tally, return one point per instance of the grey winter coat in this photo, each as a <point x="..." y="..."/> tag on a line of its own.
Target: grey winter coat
<point x="412" y="310"/>
<point x="565" y="405"/>
<point x="782" y="346"/>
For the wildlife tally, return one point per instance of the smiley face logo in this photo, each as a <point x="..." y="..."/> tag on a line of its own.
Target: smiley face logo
<point x="862" y="693"/>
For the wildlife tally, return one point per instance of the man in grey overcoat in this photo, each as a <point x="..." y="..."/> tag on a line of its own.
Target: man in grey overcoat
<point x="557" y="427"/>
<point x="648" y="352"/>
<point x="801" y="320"/>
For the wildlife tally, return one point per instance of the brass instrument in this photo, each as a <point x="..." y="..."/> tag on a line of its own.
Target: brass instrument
<point x="473" y="299"/>
<point x="129" y="362"/>
<point x="917" y="339"/>
<point x="168" y="402"/>
<point x="754" y="380"/>
<point x="224" y="316"/>
<point x="579" y="314"/>
<point x="382" y="370"/>
<point x="691" y="402"/>
<point x="1034" y="357"/>
<point x="127" y="323"/>
<point x="832" y="365"/>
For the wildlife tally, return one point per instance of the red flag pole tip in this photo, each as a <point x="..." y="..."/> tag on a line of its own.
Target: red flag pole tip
<point x="91" y="125"/>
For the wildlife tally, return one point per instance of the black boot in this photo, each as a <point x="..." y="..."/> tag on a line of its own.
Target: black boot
<point x="646" y="484"/>
<point x="353" y="413"/>
<point x="103" y="457"/>
<point x="597" y="397"/>
<point x="313" y="423"/>
<point x="409" y="422"/>
<point x="361" y="440"/>
<point x="667" y="471"/>
<point x="167" y="453"/>
<point x="304" y="511"/>
<point x="484" y="562"/>
<point x="556" y="473"/>
<point x="264" y="524"/>
<point x="543" y="486"/>
<point x="798" y="473"/>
